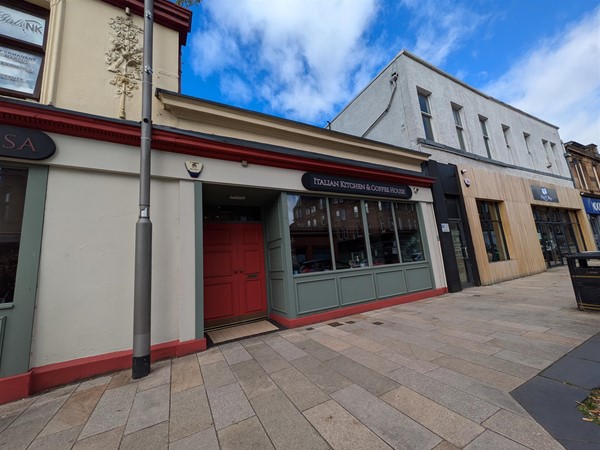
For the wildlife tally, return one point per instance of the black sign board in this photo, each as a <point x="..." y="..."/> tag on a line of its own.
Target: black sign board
<point x="23" y="143"/>
<point x="332" y="183"/>
<point x="544" y="194"/>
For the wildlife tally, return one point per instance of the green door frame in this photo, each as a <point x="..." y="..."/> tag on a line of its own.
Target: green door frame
<point x="16" y="318"/>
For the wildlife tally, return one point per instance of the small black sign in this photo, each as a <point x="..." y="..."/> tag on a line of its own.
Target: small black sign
<point x="544" y="194"/>
<point x="332" y="183"/>
<point x="23" y="143"/>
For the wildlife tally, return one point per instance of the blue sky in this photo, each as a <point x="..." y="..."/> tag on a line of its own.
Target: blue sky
<point x="305" y="59"/>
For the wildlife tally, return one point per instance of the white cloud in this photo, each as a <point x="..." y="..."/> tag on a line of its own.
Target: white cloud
<point x="441" y="27"/>
<point x="302" y="58"/>
<point x="559" y="81"/>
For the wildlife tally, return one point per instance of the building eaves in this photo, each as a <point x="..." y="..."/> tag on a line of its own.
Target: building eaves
<point x="205" y="111"/>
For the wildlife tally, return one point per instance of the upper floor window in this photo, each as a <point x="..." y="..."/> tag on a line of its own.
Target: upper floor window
<point x="459" y="127"/>
<point x="486" y="137"/>
<point x="23" y="30"/>
<point x="426" y="114"/>
<point x="526" y="139"/>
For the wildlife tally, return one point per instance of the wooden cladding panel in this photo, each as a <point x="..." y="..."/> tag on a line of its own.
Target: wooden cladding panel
<point x="516" y="199"/>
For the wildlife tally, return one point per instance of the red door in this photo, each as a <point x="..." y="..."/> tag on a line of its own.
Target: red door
<point x="234" y="273"/>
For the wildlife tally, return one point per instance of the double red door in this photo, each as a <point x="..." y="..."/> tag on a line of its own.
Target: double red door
<point x="234" y="273"/>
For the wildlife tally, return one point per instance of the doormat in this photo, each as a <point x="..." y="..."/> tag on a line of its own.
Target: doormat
<point x="240" y="331"/>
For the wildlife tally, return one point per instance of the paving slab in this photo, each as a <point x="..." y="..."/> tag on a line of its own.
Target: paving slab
<point x="490" y="376"/>
<point x="370" y="360"/>
<point x="245" y="435"/>
<point x="150" y="407"/>
<point x="185" y="373"/>
<point x="57" y="441"/>
<point x="159" y="375"/>
<point x="454" y="399"/>
<point x="493" y="441"/>
<point x="323" y="376"/>
<point x="395" y="428"/>
<point x="190" y="413"/>
<point x="229" y="405"/>
<point x="286" y="349"/>
<point x="268" y="358"/>
<point x="153" y="438"/>
<point x="315" y="349"/>
<point x="111" y="411"/>
<point x="108" y="440"/>
<point x="20" y="436"/>
<point x="341" y="429"/>
<point x="300" y="390"/>
<point x="75" y="411"/>
<point x="479" y="389"/>
<point x="253" y="379"/>
<point x="447" y="424"/>
<point x="203" y="440"/>
<point x="524" y="431"/>
<point x="234" y="353"/>
<point x="286" y="427"/>
<point x="217" y="374"/>
<point x="370" y="380"/>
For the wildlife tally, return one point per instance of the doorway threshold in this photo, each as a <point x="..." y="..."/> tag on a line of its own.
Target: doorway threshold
<point x="240" y="331"/>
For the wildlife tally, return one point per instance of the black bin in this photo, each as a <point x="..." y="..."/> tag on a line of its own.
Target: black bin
<point x="585" y="275"/>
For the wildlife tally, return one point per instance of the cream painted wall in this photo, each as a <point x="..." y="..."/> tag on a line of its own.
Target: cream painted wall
<point x="85" y="291"/>
<point x="83" y="79"/>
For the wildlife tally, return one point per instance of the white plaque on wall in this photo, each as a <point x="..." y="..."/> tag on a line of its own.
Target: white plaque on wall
<point x="19" y="70"/>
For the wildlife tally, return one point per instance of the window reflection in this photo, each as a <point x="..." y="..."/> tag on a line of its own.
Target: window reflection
<point x="13" y="183"/>
<point x="329" y="233"/>
<point x="409" y="235"/>
<point x="309" y="234"/>
<point x="348" y="234"/>
<point x="382" y="234"/>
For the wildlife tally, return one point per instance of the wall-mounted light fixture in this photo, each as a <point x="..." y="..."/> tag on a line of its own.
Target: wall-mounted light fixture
<point x="237" y="197"/>
<point x="244" y="163"/>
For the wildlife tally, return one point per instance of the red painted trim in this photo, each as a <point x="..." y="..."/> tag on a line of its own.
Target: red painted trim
<point x="355" y="309"/>
<point x="46" y="377"/>
<point x="165" y="13"/>
<point x="88" y="127"/>
<point x="14" y="388"/>
<point x="189" y="347"/>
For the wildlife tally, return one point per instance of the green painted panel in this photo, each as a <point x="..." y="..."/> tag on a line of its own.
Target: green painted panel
<point x="390" y="283"/>
<point x="277" y="291"/>
<point x="274" y="224"/>
<point x="418" y="278"/>
<point x="18" y="325"/>
<point x="2" y="326"/>
<point x="275" y="259"/>
<point x="316" y="294"/>
<point x="198" y="221"/>
<point x="356" y="288"/>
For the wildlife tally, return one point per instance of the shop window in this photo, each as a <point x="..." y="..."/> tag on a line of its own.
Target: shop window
<point x="23" y="29"/>
<point x="409" y="235"/>
<point x="13" y="183"/>
<point x="311" y="251"/>
<point x="426" y="114"/>
<point x="493" y="233"/>
<point x="350" y="252"/>
<point x="384" y="248"/>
